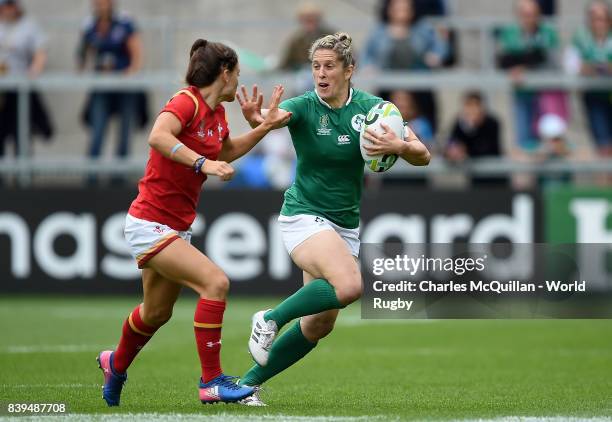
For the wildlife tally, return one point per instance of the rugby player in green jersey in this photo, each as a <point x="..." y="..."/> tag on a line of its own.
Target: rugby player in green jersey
<point x="319" y="219"/>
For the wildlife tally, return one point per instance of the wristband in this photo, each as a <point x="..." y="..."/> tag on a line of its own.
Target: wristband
<point x="197" y="165"/>
<point x="176" y="148"/>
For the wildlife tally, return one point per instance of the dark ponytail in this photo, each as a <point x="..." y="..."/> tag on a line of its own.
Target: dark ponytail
<point x="199" y="43"/>
<point x="207" y="60"/>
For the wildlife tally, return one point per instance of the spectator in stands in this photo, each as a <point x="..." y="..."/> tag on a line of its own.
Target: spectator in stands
<point x="295" y="55"/>
<point x="591" y="56"/>
<point x="432" y="8"/>
<point x="22" y="52"/>
<point x="399" y="42"/>
<point x="553" y="131"/>
<point x="527" y="45"/>
<point x="475" y="134"/>
<point x="407" y="105"/>
<point x="112" y="43"/>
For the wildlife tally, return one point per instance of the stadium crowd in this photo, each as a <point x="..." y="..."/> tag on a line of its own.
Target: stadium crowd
<point x="403" y="40"/>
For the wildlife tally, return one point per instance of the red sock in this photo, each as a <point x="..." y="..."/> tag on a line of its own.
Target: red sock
<point x="135" y="335"/>
<point x="207" y="323"/>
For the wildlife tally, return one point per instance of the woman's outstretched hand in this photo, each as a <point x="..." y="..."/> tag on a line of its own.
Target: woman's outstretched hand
<point x="277" y="117"/>
<point x="251" y="106"/>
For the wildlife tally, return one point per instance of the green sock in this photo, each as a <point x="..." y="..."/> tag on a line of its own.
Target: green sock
<point x="290" y="347"/>
<point x="316" y="296"/>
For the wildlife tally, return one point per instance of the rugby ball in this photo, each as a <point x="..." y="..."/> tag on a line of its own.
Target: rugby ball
<point x="387" y="113"/>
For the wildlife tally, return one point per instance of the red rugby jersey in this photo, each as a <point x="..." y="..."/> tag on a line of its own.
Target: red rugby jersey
<point x="169" y="192"/>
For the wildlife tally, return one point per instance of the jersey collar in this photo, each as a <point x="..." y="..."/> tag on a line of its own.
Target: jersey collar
<point x="322" y="101"/>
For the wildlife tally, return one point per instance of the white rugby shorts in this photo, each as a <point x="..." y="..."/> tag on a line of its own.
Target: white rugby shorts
<point x="296" y="229"/>
<point x="147" y="238"/>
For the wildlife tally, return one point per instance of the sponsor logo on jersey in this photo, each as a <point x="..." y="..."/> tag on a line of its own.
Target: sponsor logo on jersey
<point x="323" y="123"/>
<point x="201" y="130"/>
<point x="357" y="122"/>
<point x="344" y="140"/>
<point x="210" y="133"/>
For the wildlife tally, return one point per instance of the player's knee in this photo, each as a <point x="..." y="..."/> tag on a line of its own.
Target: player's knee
<point x="156" y="317"/>
<point x="349" y="292"/>
<point x="221" y="283"/>
<point x="215" y="285"/>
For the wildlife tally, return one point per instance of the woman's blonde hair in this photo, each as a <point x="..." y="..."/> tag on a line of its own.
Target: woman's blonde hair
<point x="340" y="42"/>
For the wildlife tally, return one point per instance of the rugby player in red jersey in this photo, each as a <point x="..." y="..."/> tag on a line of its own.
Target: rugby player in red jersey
<point x="189" y="141"/>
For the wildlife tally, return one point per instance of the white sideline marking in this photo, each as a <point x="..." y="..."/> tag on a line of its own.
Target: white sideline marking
<point x="48" y="385"/>
<point x="171" y="417"/>
<point x="54" y="348"/>
<point x="222" y="417"/>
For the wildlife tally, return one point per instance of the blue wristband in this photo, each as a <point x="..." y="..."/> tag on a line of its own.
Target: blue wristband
<point x="197" y="165"/>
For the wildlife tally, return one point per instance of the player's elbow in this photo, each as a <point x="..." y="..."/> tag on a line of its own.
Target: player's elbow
<point x="155" y="140"/>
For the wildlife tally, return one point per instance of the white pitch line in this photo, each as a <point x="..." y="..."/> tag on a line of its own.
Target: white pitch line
<point x="54" y="348"/>
<point x="186" y="417"/>
<point x="48" y="385"/>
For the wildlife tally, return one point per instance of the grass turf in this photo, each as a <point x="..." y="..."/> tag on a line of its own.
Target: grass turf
<point x="387" y="369"/>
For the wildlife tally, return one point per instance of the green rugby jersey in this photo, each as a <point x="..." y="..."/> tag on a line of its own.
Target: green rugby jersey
<point x="329" y="175"/>
<point x="592" y="51"/>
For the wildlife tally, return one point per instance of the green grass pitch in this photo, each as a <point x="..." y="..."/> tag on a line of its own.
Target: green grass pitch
<point x="383" y="370"/>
